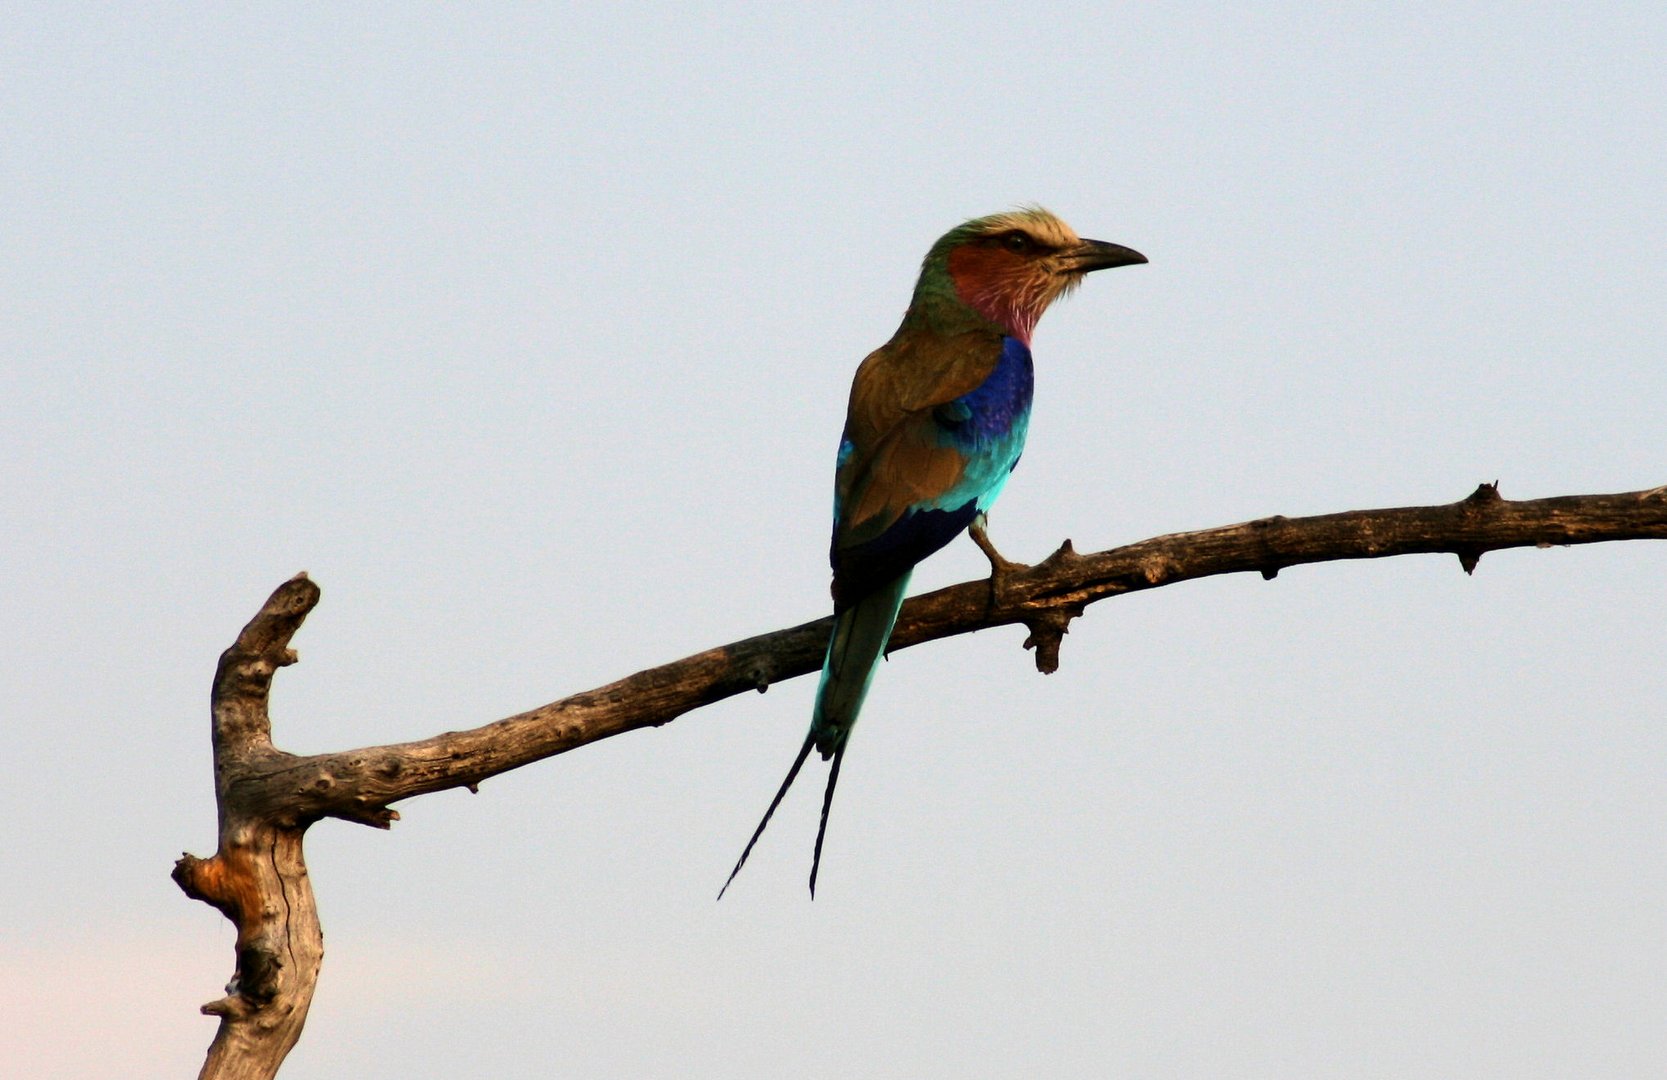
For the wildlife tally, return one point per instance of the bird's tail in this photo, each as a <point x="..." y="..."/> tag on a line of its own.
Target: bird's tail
<point x="792" y="774"/>
<point x="859" y="638"/>
<point x="858" y="641"/>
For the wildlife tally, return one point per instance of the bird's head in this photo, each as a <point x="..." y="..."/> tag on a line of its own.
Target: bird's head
<point x="1009" y="267"/>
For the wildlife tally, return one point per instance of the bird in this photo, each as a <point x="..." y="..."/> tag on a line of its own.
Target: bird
<point x="935" y="423"/>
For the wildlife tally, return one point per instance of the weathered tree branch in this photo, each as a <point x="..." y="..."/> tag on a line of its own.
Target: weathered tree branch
<point x="268" y="798"/>
<point x="258" y="878"/>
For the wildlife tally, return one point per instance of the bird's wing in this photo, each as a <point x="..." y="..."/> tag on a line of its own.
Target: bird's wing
<point x="898" y="494"/>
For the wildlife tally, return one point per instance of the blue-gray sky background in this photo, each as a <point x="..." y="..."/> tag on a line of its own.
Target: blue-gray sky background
<point x="527" y="332"/>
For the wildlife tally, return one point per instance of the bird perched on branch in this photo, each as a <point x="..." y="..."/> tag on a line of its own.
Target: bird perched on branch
<point x="935" y="424"/>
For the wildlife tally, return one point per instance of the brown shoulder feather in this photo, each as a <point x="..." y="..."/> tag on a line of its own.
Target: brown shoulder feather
<point x="896" y="459"/>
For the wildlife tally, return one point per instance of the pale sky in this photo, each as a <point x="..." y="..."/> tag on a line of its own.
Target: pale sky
<point x="527" y="333"/>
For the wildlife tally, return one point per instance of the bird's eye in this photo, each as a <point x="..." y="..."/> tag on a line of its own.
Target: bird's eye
<point x="1016" y="242"/>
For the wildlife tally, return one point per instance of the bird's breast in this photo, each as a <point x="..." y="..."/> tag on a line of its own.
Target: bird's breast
<point x="997" y="410"/>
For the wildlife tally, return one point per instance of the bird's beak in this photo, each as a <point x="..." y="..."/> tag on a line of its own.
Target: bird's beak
<point x="1093" y="255"/>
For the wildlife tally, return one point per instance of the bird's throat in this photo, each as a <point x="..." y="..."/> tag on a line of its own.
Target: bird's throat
<point x="1010" y="294"/>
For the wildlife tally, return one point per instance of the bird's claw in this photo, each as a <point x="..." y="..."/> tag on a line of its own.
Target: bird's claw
<point x="1001" y="567"/>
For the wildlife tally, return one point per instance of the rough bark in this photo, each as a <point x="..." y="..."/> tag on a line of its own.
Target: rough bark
<point x="258" y="877"/>
<point x="268" y="798"/>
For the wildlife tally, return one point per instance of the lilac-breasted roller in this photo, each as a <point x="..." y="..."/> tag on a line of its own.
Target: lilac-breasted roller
<point x="936" y="422"/>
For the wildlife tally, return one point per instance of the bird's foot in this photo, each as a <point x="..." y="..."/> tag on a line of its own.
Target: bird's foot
<point x="1001" y="567"/>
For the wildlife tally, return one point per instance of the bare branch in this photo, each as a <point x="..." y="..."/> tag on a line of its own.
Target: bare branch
<point x="258" y="877"/>
<point x="355" y="784"/>
<point x="268" y="798"/>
